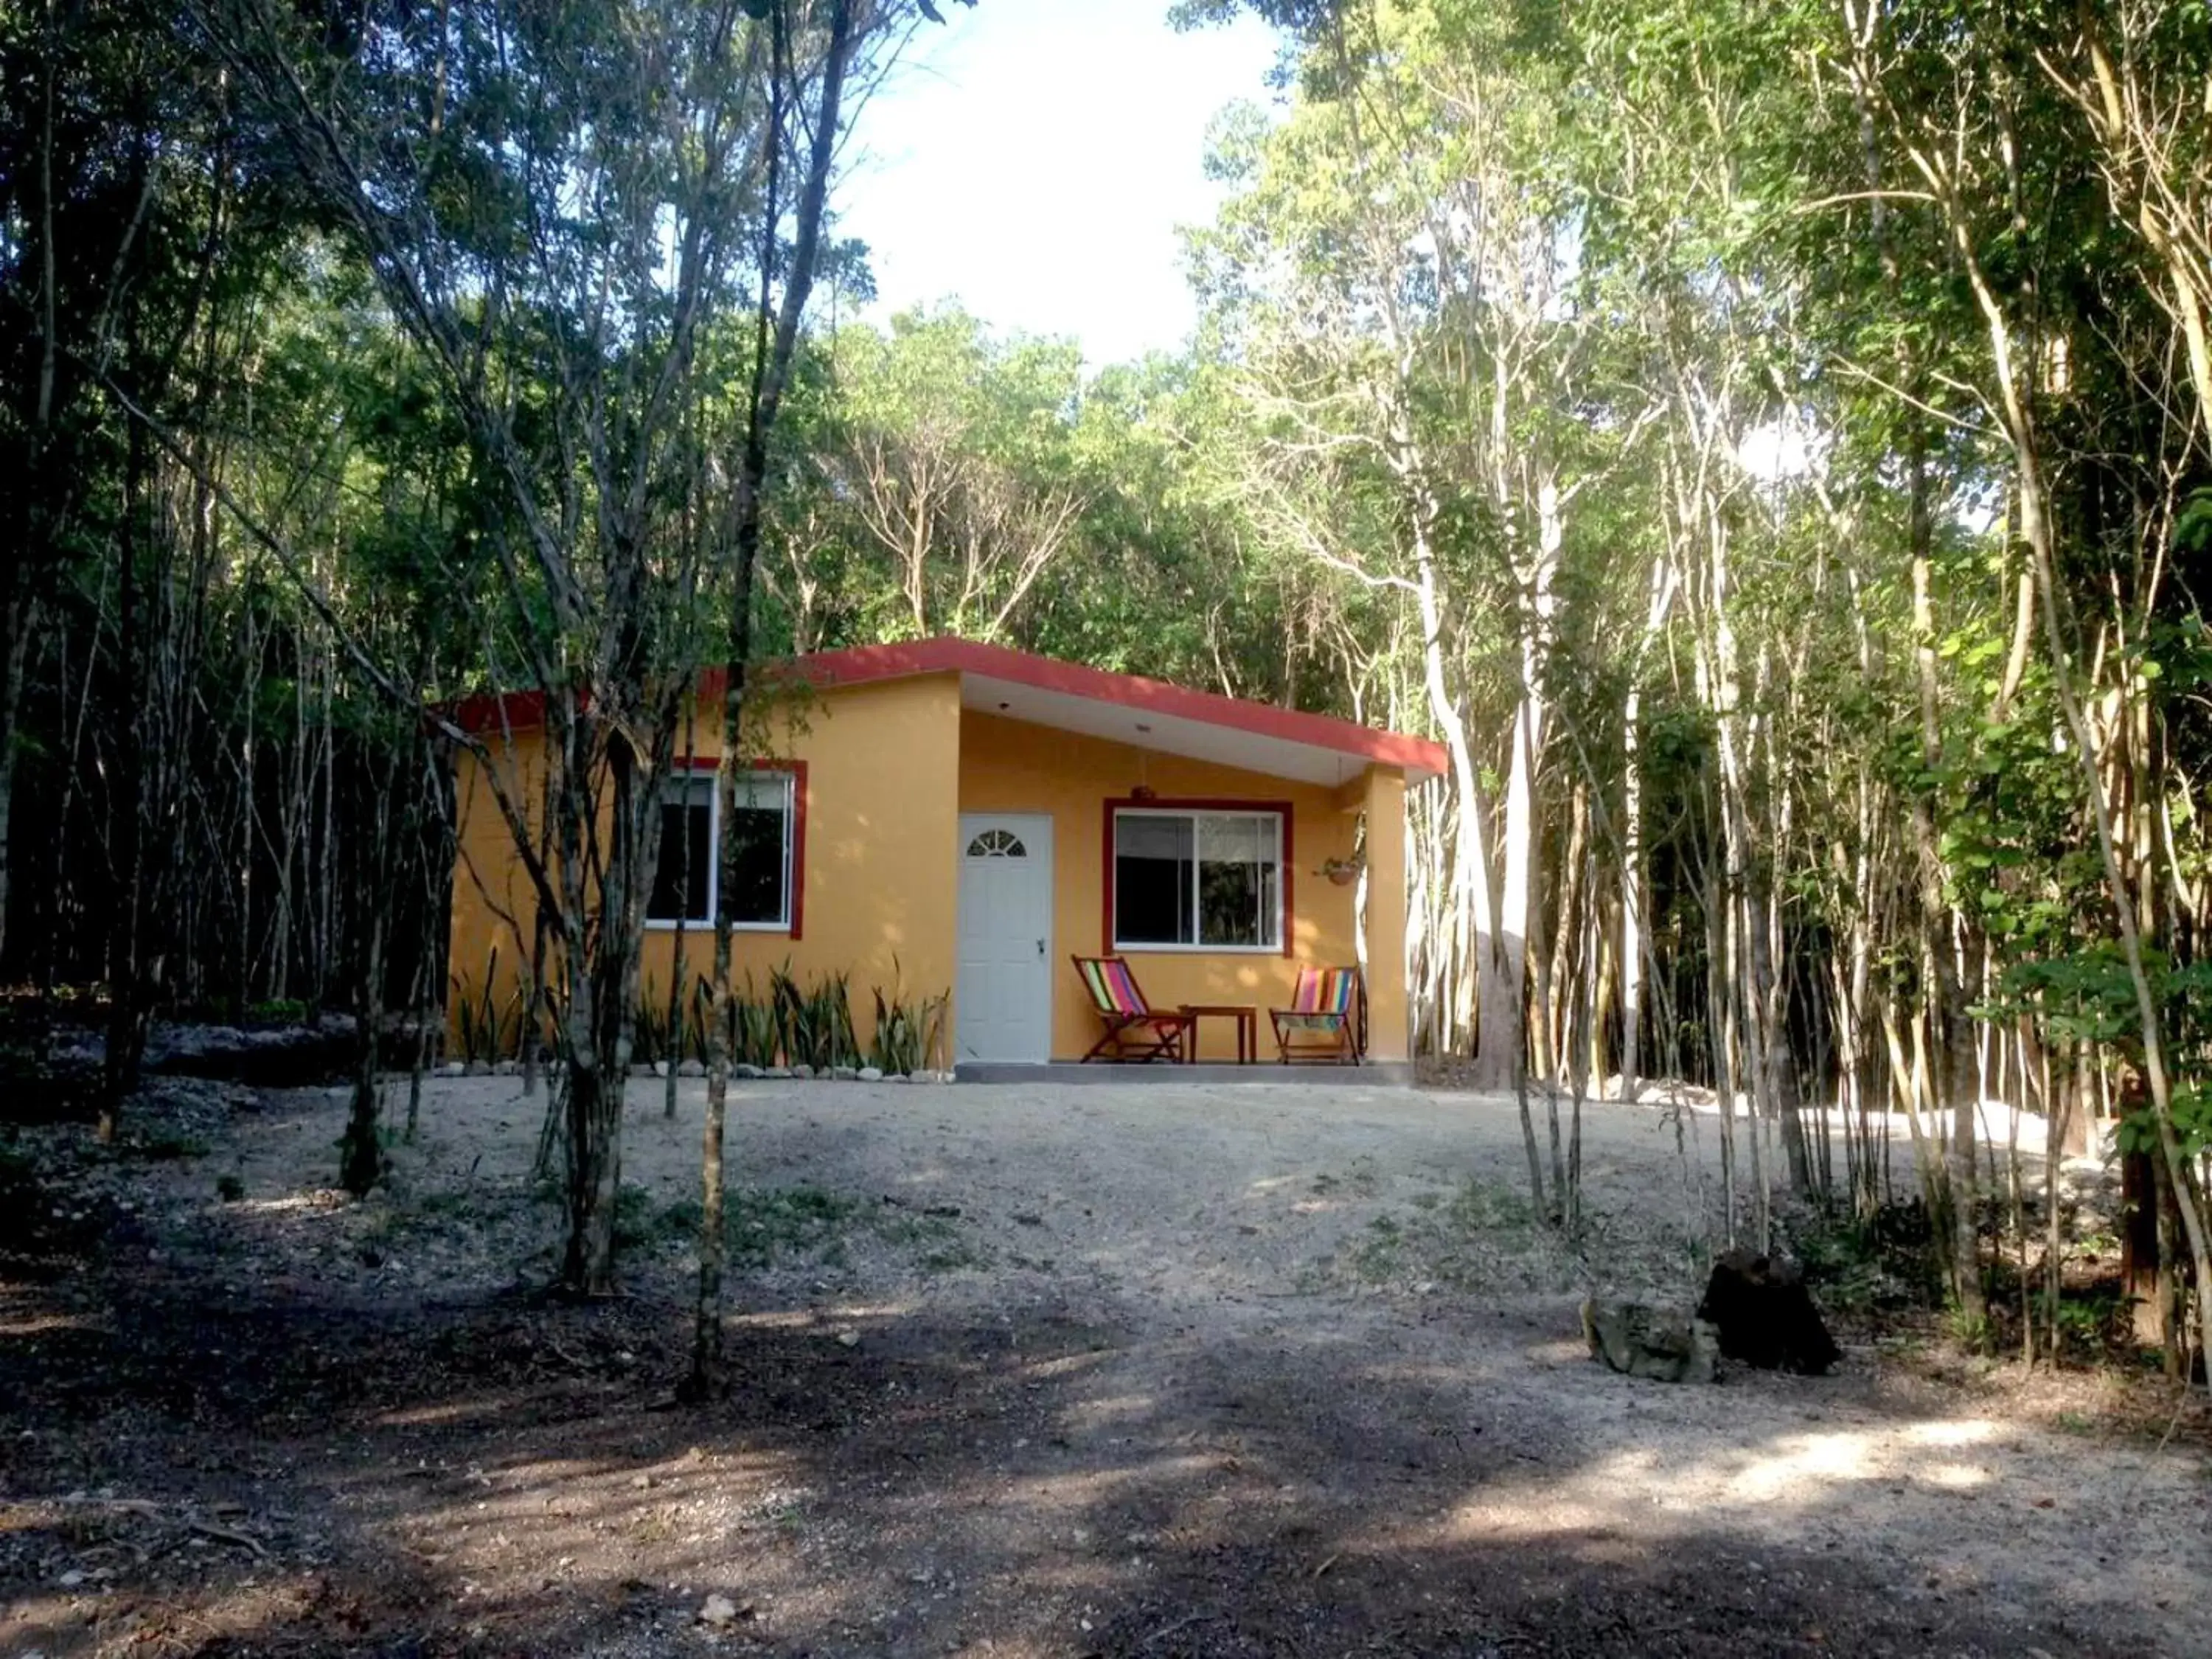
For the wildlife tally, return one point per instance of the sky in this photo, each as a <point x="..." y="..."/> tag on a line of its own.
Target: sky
<point x="1032" y="158"/>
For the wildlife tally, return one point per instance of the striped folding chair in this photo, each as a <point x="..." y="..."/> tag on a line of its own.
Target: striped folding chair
<point x="1326" y="1019"/>
<point x="1134" y="1030"/>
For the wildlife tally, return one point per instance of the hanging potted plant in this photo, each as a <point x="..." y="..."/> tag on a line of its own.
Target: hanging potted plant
<point x="1344" y="871"/>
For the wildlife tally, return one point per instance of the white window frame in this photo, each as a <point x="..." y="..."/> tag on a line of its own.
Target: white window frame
<point x="705" y="778"/>
<point x="1191" y="815"/>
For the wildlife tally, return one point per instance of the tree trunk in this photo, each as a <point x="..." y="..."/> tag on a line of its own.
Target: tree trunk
<point x="1720" y="1023"/>
<point x="361" y="1152"/>
<point x="1504" y="971"/>
<point x="16" y="620"/>
<point x="1469" y="908"/>
<point x="772" y="359"/>
<point x="678" y="964"/>
<point x="603" y="954"/>
<point x="1634" y="885"/>
<point x="129" y="1003"/>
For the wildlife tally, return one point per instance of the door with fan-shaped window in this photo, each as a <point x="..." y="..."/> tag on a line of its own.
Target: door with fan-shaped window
<point x="1003" y="1010"/>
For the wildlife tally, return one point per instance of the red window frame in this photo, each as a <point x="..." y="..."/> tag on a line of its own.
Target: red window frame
<point x="800" y="793"/>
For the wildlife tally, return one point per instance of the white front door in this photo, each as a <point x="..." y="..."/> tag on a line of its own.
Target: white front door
<point x="1004" y="1010"/>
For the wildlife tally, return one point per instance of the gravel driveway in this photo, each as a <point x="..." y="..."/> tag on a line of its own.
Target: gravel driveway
<point x="1148" y="1370"/>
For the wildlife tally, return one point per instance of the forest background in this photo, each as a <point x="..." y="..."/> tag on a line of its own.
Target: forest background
<point x="1769" y="445"/>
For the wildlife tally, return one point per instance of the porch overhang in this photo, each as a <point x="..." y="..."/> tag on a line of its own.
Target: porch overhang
<point x="1143" y="713"/>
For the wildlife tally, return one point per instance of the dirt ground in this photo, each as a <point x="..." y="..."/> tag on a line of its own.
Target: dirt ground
<point x="1145" y="1371"/>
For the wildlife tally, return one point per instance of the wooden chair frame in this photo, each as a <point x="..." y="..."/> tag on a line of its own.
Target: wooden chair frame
<point x="1134" y="1036"/>
<point x="1339" y="1034"/>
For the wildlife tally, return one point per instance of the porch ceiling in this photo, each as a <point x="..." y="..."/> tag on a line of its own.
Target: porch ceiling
<point x="1170" y="734"/>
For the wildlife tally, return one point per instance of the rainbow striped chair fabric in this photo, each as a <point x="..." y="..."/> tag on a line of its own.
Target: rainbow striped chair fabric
<point x="1326" y="1019"/>
<point x="1135" y="1031"/>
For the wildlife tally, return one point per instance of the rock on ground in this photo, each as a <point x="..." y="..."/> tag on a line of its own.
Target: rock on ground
<point x="1664" y="1345"/>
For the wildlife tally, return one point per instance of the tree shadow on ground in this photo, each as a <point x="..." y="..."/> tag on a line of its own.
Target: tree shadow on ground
<point x="300" y="1473"/>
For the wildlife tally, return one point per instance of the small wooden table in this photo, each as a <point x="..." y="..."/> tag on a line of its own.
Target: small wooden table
<point x="1248" y="1028"/>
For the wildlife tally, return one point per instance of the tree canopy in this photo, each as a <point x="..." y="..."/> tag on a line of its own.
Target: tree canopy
<point x="1769" y="445"/>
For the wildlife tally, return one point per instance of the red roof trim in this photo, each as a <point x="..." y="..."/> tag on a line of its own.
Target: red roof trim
<point x="483" y="712"/>
<point x="867" y="664"/>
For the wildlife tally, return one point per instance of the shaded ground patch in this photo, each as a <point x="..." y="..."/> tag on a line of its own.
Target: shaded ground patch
<point x="1129" y="1421"/>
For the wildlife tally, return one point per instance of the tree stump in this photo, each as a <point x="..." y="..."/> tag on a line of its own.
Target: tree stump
<point x="1765" y="1316"/>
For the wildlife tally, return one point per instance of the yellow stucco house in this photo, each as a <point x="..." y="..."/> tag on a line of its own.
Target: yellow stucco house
<point x="960" y="819"/>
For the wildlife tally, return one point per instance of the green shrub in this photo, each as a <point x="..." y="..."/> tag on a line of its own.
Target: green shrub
<point x="760" y="1224"/>
<point x="1976" y="1333"/>
<point x="788" y="1025"/>
<point x="816" y="1025"/>
<point x="1884" y="1259"/>
<point x="642" y="1224"/>
<point x="755" y="1039"/>
<point x="906" y="1033"/>
<point x="649" y="1028"/>
<point x="2094" y="1321"/>
<point x="700" y="1025"/>
<point x="477" y="1025"/>
<point x="763" y="1225"/>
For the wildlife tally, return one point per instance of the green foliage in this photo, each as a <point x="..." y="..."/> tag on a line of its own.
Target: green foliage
<point x="641" y="1224"/>
<point x="962" y="481"/>
<point x="2084" y="995"/>
<point x="757" y="1039"/>
<point x="659" y="1033"/>
<point x="767" y="1222"/>
<point x="816" y="1024"/>
<point x="939" y="1242"/>
<point x="2088" y="995"/>
<point x="1974" y="1331"/>
<point x="2192" y="528"/>
<point x="1378" y="1255"/>
<point x="1481" y="1234"/>
<point x="796" y="1025"/>
<point x="486" y="1027"/>
<point x="1884" y="1261"/>
<point x="2094" y="1322"/>
<point x="2192" y="1122"/>
<point x="906" y="1033"/>
<point x="767" y="1225"/>
<point x="784" y="1023"/>
<point x="1553" y="361"/>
